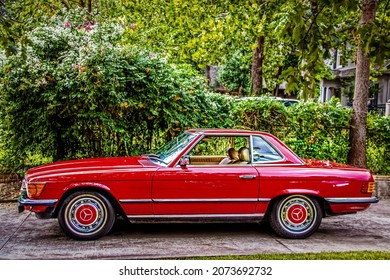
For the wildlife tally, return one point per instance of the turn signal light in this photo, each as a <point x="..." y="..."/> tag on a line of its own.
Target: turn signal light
<point x="34" y="190"/>
<point x="368" y="187"/>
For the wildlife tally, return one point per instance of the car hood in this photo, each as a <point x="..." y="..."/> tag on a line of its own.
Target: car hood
<point x="85" y="166"/>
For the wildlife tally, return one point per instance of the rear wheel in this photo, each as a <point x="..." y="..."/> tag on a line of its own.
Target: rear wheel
<point x="86" y="215"/>
<point x="295" y="216"/>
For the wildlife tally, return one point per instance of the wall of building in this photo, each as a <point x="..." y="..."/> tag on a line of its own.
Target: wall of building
<point x="382" y="187"/>
<point x="384" y="86"/>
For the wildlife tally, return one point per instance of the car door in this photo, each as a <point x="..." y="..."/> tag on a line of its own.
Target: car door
<point x="209" y="190"/>
<point x="205" y="187"/>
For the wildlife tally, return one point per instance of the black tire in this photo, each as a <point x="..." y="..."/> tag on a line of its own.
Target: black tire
<point x="295" y="216"/>
<point x="86" y="215"/>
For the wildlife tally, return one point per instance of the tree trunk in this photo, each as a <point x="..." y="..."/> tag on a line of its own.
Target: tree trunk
<point x="277" y="87"/>
<point x="257" y="66"/>
<point x="89" y="6"/>
<point x="66" y="4"/>
<point x="357" y="140"/>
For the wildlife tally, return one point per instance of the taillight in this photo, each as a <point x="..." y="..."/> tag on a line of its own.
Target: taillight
<point x="34" y="190"/>
<point x="368" y="187"/>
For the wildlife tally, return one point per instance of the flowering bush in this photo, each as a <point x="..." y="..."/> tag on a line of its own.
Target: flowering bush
<point x="81" y="92"/>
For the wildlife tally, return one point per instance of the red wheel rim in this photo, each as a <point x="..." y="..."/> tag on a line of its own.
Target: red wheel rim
<point x="296" y="214"/>
<point x="86" y="214"/>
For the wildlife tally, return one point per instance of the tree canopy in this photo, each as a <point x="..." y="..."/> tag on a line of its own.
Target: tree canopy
<point x="278" y="40"/>
<point x="204" y="32"/>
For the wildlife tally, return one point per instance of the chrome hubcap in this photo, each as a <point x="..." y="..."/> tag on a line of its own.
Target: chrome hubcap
<point x="86" y="214"/>
<point x="297" y="214"/>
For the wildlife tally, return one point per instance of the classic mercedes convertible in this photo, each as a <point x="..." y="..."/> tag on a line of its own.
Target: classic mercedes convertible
<point x="203" y="175"/>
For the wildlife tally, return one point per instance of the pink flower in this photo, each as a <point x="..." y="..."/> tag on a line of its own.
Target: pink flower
<point x="76" y="66"/>
<point x="153" y="55"/>
<point x="89" y="26"/>
<point x="133" y="26"/>
<point x="67" y="24"/>
<point x="78" y="27"/>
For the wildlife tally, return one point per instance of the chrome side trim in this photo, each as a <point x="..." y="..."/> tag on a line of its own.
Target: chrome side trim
<point x="264" y="199"/>
<point x="208" y="200"/>
<point x="205" y="200"/>
<point x="135" y="200"/>
<point x="343" y="200"/>
<point x="195" y="216"/>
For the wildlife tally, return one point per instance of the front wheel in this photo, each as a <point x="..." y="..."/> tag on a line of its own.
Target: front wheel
<point x="295" y="216"/>
<point x="86" y="215"/>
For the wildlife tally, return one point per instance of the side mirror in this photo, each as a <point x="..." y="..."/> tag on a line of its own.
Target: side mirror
<point x="183" y="162"/>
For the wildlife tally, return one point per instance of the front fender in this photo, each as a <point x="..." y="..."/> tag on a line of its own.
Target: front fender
<point x="79" y="185"/>
<point x="93" y="186"/>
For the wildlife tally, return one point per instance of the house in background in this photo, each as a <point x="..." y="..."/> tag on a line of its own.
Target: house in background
<point x="342" y="85"/>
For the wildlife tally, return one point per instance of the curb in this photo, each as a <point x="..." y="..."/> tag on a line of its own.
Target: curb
<point x="8" y="200"/>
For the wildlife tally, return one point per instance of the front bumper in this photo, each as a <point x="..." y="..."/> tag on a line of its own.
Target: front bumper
<point x="42" y="205"/>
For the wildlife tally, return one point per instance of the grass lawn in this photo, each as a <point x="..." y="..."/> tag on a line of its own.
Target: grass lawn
<point x="361" y="255"/>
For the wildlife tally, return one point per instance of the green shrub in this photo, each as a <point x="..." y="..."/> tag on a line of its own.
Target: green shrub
<point x="311" y="129"/>
<point x="80" y="92"/>
<point x="319" y="130"/>
<point x="378" y="144"/>
<point x="262" y="113"/>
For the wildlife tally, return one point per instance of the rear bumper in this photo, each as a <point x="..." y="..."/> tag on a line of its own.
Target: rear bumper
<point x="338" y="206"/>
<point x="352" y="200"/>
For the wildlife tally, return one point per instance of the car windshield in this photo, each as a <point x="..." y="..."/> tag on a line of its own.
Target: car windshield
<point x="167" y="153"/>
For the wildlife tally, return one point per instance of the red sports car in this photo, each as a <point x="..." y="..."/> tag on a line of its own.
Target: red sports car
<point x="202" y="175"/>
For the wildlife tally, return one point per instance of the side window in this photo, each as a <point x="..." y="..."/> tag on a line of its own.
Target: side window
<point x="210" y="146"/>
<point x="217" y="150"/>
<point x="263" y="152"/>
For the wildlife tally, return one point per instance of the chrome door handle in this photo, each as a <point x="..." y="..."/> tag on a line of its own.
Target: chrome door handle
<point x="248" y="177"/>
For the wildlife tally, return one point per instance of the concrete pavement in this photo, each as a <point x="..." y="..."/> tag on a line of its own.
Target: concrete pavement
<point x="22" y="236"/>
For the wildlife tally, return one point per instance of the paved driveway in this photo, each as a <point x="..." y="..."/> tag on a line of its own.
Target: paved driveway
<point x="22" y="236"/>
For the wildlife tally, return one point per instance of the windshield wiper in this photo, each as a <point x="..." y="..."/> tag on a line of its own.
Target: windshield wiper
<point x="151" y="155"/>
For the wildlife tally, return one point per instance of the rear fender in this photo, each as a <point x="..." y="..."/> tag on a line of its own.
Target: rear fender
<point x="299" y="191"/>
<point x="287" y="192"/>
